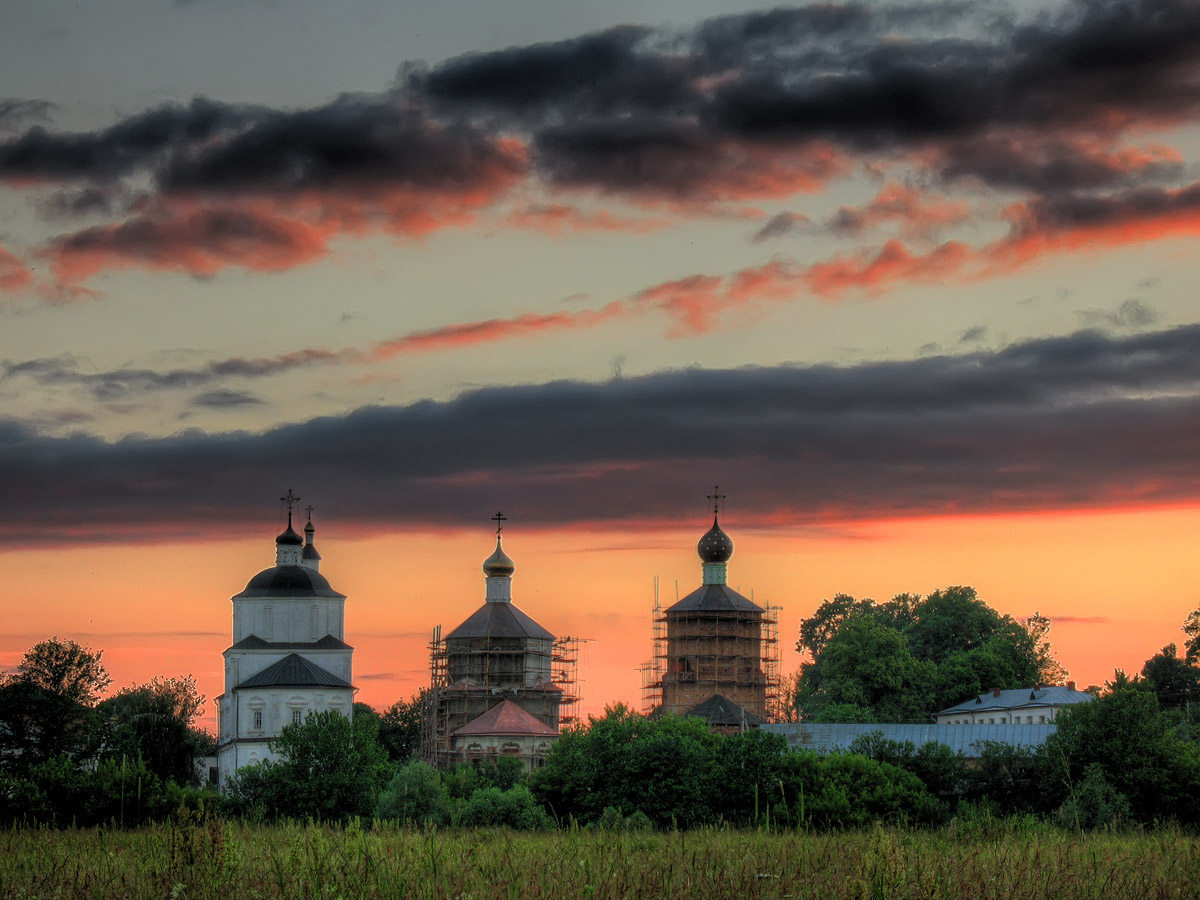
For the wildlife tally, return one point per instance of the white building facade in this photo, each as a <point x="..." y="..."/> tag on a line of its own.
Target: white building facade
<point x="1020" y="706"/>
<point x="288" y="657"/>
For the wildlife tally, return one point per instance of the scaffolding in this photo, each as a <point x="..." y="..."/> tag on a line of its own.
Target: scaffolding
<point x="702" y="653"/>
<point x="564" y="672"/>
<point x="490" y="668"/>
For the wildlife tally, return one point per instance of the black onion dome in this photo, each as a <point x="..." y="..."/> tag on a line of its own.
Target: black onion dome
<point x="498" y="563"/>
<point x="289" y="537"/>
<point x="715" y="546"/>
<point x="289" y="581"/>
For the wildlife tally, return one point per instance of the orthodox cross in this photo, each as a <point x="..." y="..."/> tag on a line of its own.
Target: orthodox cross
<point x="308" y="509"/>
<point x="289" y="502"/>
<point x="499" y="518"/>
<point x="717" y="498"/>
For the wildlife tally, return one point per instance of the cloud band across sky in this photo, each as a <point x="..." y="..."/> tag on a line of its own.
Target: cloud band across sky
<point x="1067" y="111"/>
<point x="1085" y="421"/>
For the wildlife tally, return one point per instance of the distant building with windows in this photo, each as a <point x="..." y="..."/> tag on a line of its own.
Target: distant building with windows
<point x="288" y="657"/>
<point x="1019" y="706"/>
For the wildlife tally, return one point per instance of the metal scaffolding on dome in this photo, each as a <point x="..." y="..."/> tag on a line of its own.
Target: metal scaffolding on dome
<point x="733" y="665"/>
<point x="449" y="705"/>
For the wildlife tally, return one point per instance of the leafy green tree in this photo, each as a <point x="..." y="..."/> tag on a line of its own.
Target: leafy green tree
<point x="1175" y="681"/>
<point x="415" y="796"/>
<point x="845" y="790"/>
<point x="662" y="766"/>
<point x="817" y="630"/>
<point x="918" y="655"/>
<point x="1191" y="627"/>
<point x="868" y="665"/>
<point x="951" y="621"/>
<point x="514" y="808"/>
<point x="153" y="722"/>
<point x="66" y="669"/>
<point x="47" y="705"/>
<point x="1134" y="746"/>
<point x="400" y="727"/>
<point x="329" y="769"/>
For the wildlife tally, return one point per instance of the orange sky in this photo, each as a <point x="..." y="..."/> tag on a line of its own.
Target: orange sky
<point x="1116" y="585"/>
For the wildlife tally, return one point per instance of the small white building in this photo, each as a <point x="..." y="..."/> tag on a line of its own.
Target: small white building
<point x="1019" y="706"/>
<point x="288" y="657"/>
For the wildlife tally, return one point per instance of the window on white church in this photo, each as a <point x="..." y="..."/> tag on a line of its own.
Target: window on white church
<point x="297" y="716"/>
<point x="258" y="718"/>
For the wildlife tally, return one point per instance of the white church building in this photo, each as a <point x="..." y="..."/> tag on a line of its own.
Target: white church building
<point x="288" y="657"/>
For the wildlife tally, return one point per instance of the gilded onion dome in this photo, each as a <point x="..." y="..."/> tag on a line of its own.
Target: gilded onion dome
<point x="499" y="563"/>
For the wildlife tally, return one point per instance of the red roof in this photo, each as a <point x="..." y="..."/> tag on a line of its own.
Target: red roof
<point x="506" y="718"/>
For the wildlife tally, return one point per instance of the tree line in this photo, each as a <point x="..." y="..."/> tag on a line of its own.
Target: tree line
<point x="68" y="755"/>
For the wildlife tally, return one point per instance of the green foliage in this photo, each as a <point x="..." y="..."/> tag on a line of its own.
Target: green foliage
<point x="944" y="773"/>
<point x="400" y="727"/>
<point x="153" y="722"/>
<point x="514" y="808"/>
<point x="1126" y="738"/>
<point x="46" y="706"/>
<point x="1094" y="804"/>
<point x="201" y="858"/>
<point x="416" y="796"/>
<point x="65" y="669"/>
<point x="662" y="766"/>
<point x="850" y="790"/>
<point x="330" y="769"/>
<point x="904" y="659"/>
<point x="1175" y="681"/>
<point x="868" y="665"/>
<point x="61" y="794"/>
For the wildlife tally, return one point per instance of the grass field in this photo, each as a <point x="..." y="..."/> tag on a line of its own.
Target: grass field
<point x="205" y="858"/>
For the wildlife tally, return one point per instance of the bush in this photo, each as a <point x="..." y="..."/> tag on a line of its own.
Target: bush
<point x="1094" y="804"/>
<point x="514" y="808"/>
<point x="416" y="796"/>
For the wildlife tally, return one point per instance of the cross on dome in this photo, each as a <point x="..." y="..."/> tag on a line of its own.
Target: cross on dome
<point x="289" y="502"/>
<point x="717" y="498"/>
<point x="499" y="518"/>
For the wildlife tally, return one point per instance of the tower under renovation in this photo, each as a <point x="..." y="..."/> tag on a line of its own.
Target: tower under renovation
<point x="500" y="683"/>
<point x="716" y="653"/>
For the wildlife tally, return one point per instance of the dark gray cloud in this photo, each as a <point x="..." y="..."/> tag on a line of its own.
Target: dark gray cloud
<point x="15" y="112"/>
<point x="121" y="383"/>
<point x="1131" y="314"/>
<point x="226" y="399"/>
<point x="1027" y="104"/>
<point x="781" y="224"/>
<point x="1079" y="421"/>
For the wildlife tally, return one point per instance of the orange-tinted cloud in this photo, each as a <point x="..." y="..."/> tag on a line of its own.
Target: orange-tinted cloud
<point x="200" y="242"/>
<point x="560" y="218"/>
<point x="465" y="334"/>
<point x="14" y="274"/>
<point x="918" y="214"/>
<point x="875" y="272"/>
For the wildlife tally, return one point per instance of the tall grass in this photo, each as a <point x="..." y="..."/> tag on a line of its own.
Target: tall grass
<point x="200" y="857"/>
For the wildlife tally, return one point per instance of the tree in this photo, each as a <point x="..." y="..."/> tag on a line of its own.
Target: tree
<point x="1134" y="747"/>
<point x="817" y="630"/>
<point x="661" y="766"/>
<point x="416" y="796"/>
<point x="153" y="722"/>
<point x="1050" y="671"/>
<point x="1174" y="681"/>
<point x="1191" y="627"/>
<point x="329" y="769"/>
<point x="400" y="727"/>
<point x="46" y="705"/>
<point x="868" y="665"/>
<point x="65" y="669"/>
<point x="943" y="648"/>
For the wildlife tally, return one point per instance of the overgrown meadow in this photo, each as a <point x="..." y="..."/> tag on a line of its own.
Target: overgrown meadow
<point x="196" y="856"/>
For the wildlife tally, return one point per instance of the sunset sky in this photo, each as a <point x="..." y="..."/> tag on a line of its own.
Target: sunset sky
<point x="915" y="283"/>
